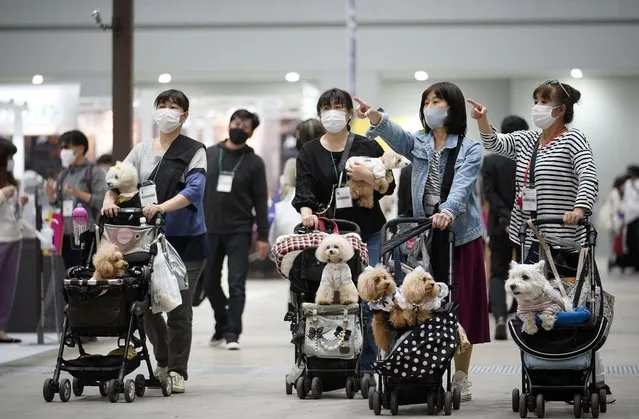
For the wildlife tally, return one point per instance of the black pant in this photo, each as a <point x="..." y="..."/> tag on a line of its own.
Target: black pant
<point x="227" y="311"/>
<point x="501" y="253"/>
<point x="632" y="243"/>
<point x="72" y="257"/>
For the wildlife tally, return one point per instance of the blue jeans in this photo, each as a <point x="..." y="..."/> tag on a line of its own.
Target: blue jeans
<point x="369" y="350"/>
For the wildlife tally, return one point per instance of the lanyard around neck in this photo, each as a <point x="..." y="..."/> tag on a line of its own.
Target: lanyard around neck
<point x="220" y="159"/>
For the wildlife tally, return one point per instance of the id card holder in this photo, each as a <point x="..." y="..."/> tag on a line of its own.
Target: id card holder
<point x="343" y="198"/>
<point x="529" y="199"/>
<point x="225" y="182"/>
<point x="148" y="194"/>
<point x="67" y="207"/>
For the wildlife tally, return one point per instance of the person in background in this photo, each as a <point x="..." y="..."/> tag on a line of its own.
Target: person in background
<point x="630" y="210"/>
<point x="235" y="188"/>
<point x="563" y="177"/>
<point x="104" y="162"/>
<point x="79" y="183"/>
<point x="611" y="220"/>
<point x="442" y="111"/>
<point x="404" y="195"/>
<point x="498" y="175"/>
<point x="10" y="236"/>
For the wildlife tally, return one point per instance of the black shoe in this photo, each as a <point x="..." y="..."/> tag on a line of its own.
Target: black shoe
<point x="500" y="329"/>
<point x="216" y="340"/>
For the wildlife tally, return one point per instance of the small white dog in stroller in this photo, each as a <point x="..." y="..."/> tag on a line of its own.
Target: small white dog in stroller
<point x="335" y="251"/>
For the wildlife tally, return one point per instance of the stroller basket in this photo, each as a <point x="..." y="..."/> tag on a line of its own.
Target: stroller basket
<point x="99" y="367"/>
<point x="134" y="242"/>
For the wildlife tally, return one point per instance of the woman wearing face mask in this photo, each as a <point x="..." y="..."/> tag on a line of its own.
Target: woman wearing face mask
<point x="79" y="183"/>
<point x="319" y="180"/>
<point x="175" y="166"/>
<point x="442" y="111"/>
<point x="10" y="236"/>
<point x="556" y="162"/>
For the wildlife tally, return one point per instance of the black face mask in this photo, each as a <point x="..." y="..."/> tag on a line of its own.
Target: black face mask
<point x="238" y="136"/>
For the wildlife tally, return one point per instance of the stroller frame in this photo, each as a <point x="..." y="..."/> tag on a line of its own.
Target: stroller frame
<point x="110" y="377"/>
<point x="532" y="397"/>
<point x="432" y="393"/>
<point x="311" y="380"/>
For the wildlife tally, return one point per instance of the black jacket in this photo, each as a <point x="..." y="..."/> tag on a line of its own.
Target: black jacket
<point x="233" y="212"/>
<point x="498" y="178"/>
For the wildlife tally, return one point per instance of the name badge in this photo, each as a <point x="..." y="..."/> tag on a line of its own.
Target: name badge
<point x="343" y="198"/>
<point x="529" y="199"/>
<point x="148" y="194"/>
<point x="225" y="182"/>
<point x="67" y="207"/>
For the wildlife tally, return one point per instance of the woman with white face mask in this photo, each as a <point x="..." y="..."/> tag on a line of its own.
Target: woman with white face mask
<point x="556" y="172"/>
<point x="321" y="182"/>
<point x="172" y="171"/>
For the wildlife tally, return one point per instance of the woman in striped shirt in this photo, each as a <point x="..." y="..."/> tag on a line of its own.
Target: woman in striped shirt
<point x="556" y="173"/>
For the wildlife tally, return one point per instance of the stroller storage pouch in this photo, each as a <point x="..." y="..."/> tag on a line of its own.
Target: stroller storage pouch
<point x="332" y="331"/>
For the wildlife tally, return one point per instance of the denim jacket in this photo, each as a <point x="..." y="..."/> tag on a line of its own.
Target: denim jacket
<point x="419" y="148"/>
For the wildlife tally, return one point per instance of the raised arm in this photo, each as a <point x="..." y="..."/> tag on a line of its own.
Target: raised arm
<point x="503" y="144"/>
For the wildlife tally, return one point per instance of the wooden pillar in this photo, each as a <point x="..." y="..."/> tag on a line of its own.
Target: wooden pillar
<point x="122" y="78"/>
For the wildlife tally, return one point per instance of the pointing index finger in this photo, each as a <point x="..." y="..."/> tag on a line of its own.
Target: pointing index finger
<point x="475" y="104"/>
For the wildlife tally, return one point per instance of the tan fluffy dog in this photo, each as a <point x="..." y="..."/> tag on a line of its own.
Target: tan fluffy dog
<point x="377" y="287"/>
<point x="108" y="262"/>
<point x="419" y="288"/>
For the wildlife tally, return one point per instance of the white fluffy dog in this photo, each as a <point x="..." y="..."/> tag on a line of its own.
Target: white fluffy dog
<point x="335" y="251"/>
<point x="534" y="294"/>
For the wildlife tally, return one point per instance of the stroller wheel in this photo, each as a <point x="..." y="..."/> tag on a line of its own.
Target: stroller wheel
<point x="167" y="386"/>
<point x="65" y="390"/>
<point x="540" y="407"/>
<point x="523" y="405"/>
<point x="300" y="389"/>
<point x="430" y="403"/>
<point x="350" y="388"/>
<point x="316" y="388"/>
<point x="48" y="390"/>
<point x="448" y="403"/>
<point x="365" y="384"/>
<point x="394" y="403"/>
<point x="289" y="387"/>
<point x="456" y="398"/>
<point x="129" y="391"/>
<point x="594" y="405"/>
<point x="576" y="407"/>
<point x="603" y="401"/>
<point x="377" y="403"/>
<point x="515" y="400"/>
<point x="103" y="388"/>
<point x="371" y="392"/>
<point x="78" y="387"/>
<point x="140" y="385"/>
<point x="113" y="391"/>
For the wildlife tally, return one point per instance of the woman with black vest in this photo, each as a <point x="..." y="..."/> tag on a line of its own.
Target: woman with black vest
<point x="176" y="166"/>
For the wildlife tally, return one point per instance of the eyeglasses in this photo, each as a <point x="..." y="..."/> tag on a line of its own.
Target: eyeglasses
<point x="557" y="82"/>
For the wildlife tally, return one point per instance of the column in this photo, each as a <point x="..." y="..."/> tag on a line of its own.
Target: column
<point x="122" y="84"/>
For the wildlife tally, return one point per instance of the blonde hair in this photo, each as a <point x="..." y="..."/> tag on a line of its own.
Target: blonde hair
<point x="287" y="180"/>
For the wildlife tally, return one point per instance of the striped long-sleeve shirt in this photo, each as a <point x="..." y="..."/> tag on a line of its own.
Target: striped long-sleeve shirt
<point x="565" y="177"/>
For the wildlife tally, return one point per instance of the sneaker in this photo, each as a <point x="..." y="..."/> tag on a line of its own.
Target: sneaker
<point x="161" y="373"/>
<point x="178" y="383"/>
<point x="610" y="398"/>
<point x="460" y="380"/>
<point x="233" y="346"/>
<point x="216" y="341"/>
<point x="500" y="329"/>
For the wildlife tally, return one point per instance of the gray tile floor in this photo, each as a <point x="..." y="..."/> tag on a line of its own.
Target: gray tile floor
<point x="250" y="383"/>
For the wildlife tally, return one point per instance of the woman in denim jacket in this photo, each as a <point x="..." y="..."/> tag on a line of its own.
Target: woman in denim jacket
<point x="442" y="112"/>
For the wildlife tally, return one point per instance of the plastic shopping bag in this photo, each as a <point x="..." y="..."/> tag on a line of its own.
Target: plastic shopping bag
<point x="176" y="265"/>
<point x="165" y="291"/>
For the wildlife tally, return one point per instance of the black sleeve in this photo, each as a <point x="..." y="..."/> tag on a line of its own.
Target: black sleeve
<point x="260" y="198"/>
<point x="404" y="193"/>
<point x="495" y="203"/>
<point x="305" y="195"/>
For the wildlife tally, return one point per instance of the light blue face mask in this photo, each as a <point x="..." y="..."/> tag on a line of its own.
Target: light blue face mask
<point x="435" y="117"/>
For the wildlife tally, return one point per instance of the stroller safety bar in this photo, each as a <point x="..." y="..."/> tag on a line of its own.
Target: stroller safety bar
<point x="119" y="281"/>
<point x="331" y="226"/>
<point x="125" y="215"/>
<point x="591" y="233"/>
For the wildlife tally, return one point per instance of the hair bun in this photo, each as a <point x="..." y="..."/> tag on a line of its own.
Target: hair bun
<point x="575" y="94"/>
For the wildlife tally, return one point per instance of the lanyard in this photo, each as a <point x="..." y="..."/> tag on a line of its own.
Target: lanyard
<point x="220" y="159"/>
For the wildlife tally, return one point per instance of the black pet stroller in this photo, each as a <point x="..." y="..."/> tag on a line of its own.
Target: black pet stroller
<point x="414" y="369"/>
<point x="559" y="364"/>
<point x="109" y="308"/>
<point x="327" y="338"/>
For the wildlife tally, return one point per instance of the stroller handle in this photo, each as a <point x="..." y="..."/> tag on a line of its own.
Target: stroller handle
<point x="130" y="213"/>
<point x="331" y="226"/>
<point x="591" y="233"/>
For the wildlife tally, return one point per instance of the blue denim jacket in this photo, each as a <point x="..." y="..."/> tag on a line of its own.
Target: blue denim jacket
<point x="419" y="148"/>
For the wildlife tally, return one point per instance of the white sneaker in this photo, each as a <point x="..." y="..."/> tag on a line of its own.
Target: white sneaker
<point x="233" y="346"/>
<point x="178" y="383"/>
<point x="460" y="380"/>
<point x="161" y="373"/>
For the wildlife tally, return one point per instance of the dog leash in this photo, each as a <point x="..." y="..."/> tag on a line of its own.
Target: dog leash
<point x="546" y="249"/>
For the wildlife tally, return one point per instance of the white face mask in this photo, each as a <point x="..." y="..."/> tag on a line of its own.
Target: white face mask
<point x="542" y="116"/>
<point x="167" y="120"/>
<point x="10" y="165"/>
<point x="334" y="120"/>
<point x="67" y="157"/>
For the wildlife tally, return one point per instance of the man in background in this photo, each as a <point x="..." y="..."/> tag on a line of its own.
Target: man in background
<point x="498" y="178"/>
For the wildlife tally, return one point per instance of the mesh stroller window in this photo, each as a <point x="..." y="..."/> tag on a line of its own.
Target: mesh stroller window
<point x="133" y="242"/>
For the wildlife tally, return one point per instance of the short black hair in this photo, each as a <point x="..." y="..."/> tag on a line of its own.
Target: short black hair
<point x="104" y="159"/>
<point x="245" y="115"/>
<point x="513" y="123"/>
<point x="308" y="130"/>
<point x="335" y="96"/>
<point x="456" y="121"/>
<point x="560" y="93"/>
<point x="74" y="138"/>
<point x="633" y="170"/>
<point x="174" y="96"/>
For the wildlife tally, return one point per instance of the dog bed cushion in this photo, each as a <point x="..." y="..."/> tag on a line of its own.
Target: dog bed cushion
<point x="581" y="315"/>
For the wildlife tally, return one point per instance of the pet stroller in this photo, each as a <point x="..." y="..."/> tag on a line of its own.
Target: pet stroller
<point x="413" y="371"/>
<point x="327" y="338"/>
<point x="109" y="308"/>
<point x="559" y="364"/>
